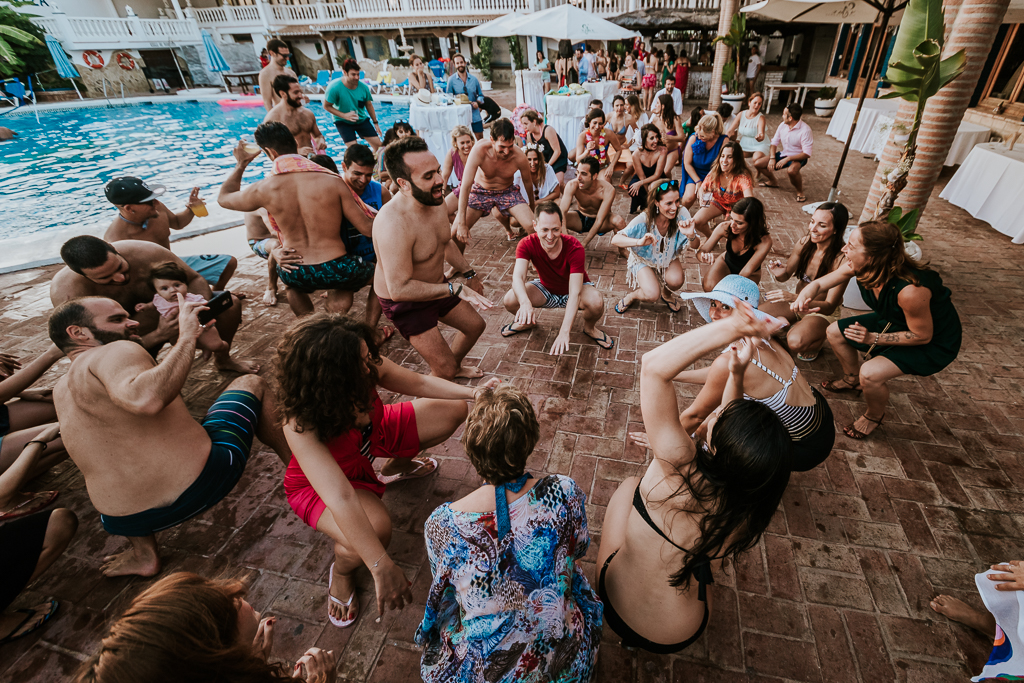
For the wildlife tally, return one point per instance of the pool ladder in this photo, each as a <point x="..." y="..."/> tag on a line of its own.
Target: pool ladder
<point x="105" y="81"/>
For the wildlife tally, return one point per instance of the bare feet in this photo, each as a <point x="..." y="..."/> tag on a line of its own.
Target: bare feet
<point x="469" y="372"/>
<point x="131" y="562"/>
<point x="343" y="588"/>
<point x="411" y="467"/>
<point x="270" y="297"/>
<point x="226" y="363"/>
<point x="958" y="610"/>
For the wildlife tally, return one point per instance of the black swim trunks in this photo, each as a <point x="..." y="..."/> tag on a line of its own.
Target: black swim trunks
<point x="349" y="273"/>
<point x="231" y="424"/>
<point x="587" y="222"/>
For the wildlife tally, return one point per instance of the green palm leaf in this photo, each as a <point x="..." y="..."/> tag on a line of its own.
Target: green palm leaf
<point x="7" y="53"/>
<point x="19" y="36"/>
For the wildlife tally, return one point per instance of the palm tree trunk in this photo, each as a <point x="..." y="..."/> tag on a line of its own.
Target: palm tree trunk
<point x="722" y="51"/>
<point x="917" y="169"/>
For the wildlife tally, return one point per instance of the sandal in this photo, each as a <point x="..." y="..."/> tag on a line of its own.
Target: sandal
<point x="620" y="309"/>
<point x="605" y="339"/>
<point x="384" y="333"/>
<point x="340" y="623"/>
<point x="808" y="357"/>
<point x="678" y="306"/>
<point x="801" y="198"/>
<point x="830" y="385"/>
<point x="510" y="331"/>
<point x="31" y="614"/>
<point x="765" y="184"/>
<point x="428" y="464"/>
<point x="855" y="433"/>
<point x="34" y="502"/>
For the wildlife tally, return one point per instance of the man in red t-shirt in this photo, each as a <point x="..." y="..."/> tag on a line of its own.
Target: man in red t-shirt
<point x="562" y="283"/>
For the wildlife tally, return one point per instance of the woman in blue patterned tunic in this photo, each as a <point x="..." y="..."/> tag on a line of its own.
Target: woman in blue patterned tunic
<point x="509" y="601"/>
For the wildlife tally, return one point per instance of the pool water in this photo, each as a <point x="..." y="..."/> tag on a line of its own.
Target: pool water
<point x="52" y="175"/>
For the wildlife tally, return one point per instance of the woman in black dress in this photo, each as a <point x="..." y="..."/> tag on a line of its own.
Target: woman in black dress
<point x="913" y="328"/>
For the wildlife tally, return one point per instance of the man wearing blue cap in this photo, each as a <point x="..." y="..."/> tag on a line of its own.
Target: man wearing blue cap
<point x="142" y="216"/>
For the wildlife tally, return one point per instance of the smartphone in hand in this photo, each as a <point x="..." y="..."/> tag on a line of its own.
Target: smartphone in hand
<point x="218" y="304"/>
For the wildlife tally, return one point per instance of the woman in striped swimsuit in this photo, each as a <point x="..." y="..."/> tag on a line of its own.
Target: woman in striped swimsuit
<point x="762" y="371"/>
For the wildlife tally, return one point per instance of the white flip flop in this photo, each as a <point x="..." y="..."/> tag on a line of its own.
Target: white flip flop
<point x="340" y="623"/>
<point x="422" y="463"/>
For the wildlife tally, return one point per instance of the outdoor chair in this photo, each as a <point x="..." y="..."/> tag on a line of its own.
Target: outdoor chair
<point x="402" y="88"/>
<point x="437" y="68"/>
<point x="15" y="93"/>
<point x="323" y="77"/>
<point x="382" y="83"/>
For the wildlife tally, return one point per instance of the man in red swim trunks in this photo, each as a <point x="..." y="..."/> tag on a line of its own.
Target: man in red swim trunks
<point x="492" y="166"/>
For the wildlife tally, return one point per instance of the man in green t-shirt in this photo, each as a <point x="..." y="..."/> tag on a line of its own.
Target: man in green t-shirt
<point x="349" y="100"/>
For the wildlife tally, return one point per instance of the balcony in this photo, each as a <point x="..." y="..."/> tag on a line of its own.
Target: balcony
<point x="87" y="33"/>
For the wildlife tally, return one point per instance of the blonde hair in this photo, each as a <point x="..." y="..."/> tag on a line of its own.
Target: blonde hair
<point x="887" y="258"/>
<point x="501" y="433"/>
<point x="711" y="123"/>
<point x="459" y="131"/>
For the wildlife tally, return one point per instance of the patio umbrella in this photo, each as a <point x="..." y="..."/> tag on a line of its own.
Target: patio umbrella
<point x="64" y="66"/>
<point x="836" y="12"/>
<point x="217" y="62"/>
<point x="497" y="28"/>
<point x="567" y="22"/>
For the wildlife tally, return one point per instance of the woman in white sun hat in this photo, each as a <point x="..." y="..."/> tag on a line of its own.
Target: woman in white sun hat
<point x="767" y="375"/>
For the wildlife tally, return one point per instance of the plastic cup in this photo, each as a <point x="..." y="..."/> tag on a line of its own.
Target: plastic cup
<point x="199" y="210"/>
<point x="252" y="148"/>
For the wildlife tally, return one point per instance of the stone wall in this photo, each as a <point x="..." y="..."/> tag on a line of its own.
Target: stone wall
<point x="134" y="81"/>
<point x="238" y="55"/>
<point x="307" y="66"/>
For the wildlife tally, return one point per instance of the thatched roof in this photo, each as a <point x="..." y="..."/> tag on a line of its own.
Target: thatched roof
<point x="650" y="21"/>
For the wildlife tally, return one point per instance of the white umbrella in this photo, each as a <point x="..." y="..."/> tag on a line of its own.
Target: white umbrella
<point x="819" y="11"/>
<point x="497" y="28"/>
<point x="565" y="22"/>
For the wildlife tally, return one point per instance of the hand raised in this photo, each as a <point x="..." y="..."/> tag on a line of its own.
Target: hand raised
<point x="264" y="640"/>
<point x="242" y="154"/>
<point x="747" y="324"/>
<point x="740" y="354"/>
<point x="189" y="326"/>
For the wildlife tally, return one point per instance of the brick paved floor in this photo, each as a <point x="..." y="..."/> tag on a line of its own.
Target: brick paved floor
<point x="837" y="590"/>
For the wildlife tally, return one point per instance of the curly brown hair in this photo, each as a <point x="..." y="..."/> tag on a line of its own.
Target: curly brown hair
<point x="501" y="432"/>
<point x="182" y="628"/>
<point x="323" y="382"/>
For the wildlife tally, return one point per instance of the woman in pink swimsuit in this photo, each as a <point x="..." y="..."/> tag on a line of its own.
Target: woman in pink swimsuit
<point x="454" y="164"/>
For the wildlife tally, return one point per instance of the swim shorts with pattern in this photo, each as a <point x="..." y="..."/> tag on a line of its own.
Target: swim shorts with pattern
<point x="348" y="273"/>
<point x="484" y="200"/>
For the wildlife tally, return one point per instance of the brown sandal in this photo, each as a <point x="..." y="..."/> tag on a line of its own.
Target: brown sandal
<point x="830" y="385"/>
<point x="855" y="433"/>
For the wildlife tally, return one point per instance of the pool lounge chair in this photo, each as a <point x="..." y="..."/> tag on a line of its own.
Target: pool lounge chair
<point x="402" y="88"/>
<point x="383" y="83"/>
<point x="14" y="92"/>
<point x="323" y="77"/>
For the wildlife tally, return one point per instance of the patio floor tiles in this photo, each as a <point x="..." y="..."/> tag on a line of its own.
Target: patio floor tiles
<point x="838" y="588"/>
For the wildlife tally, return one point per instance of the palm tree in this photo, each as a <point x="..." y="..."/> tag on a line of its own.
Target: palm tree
<point x="9" y="61"/>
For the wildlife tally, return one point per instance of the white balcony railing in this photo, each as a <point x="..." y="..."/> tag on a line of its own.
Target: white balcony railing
<point x="86" y="33"/>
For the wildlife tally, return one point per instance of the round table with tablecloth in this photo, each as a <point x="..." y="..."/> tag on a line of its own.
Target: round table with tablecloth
<point x="967" y="137"/>
<point x="530" y="88"/>
<point x="988" y="186"/>
<point x="565" y="114"/>
<point x="864" y="137"/>
<point x="604" y="91"/>
<point x="435" y="123"/>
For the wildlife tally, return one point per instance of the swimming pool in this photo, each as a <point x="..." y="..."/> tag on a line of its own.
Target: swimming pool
<point x="52" y="175"/>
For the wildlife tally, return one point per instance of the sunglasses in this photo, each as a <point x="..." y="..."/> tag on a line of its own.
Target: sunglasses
<point x="669" y="185"/>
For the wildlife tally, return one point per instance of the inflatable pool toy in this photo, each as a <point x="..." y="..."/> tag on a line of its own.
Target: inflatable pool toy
<point x="245" y="101"/>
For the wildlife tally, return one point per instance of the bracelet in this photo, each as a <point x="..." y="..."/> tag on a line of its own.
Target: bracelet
<point x="41" y="443"/>
<point x="383" y="555"/>
<point x="469" y="274"/>
<point x="451" y="290"/>
<point x="458" y="291"/>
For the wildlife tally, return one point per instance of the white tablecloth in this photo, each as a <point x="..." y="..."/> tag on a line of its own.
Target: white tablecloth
<point x="434" y="124"/>
<point x="842" y="120"/>
<point x="967" y="136"/>
<point x="565" y="115"/>
<point x="530" y="88"/>
<point x="988" y="186"/>
<point x="604" y="91"/>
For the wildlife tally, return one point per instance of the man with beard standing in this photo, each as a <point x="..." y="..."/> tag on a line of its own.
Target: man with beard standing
<point x="279" y="53"/>
<point x="464" y="83"/>
<point x="412" y="238"/>
<point x="349" y="100"/>
<point x="148" y="465"/>
<point x="300" y="121"/>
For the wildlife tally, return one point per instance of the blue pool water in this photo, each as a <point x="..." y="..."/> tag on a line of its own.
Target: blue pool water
<point x="52" y="175"/>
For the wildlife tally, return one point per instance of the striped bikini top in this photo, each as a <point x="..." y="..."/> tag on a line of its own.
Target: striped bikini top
<point x="800" y="421"/>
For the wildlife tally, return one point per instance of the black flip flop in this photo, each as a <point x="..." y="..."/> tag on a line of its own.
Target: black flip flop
<point x="509" y="331"/>
<point x="668" y="303"/>
<point x="605" y="339"/>
<point x="30" y="614"/>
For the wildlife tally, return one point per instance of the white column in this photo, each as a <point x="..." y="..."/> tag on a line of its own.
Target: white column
<point x="531" y="50"/>
<point x="357" y="48"/>
<point x="264" y="13"/>
<point x="333" y="52"/>
<point x="444" y="47"/>
<point x="177" y="9"/>
<point x="393" y="47"/>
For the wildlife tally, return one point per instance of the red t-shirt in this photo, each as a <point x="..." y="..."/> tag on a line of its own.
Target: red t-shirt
<point x="554" y="273"/>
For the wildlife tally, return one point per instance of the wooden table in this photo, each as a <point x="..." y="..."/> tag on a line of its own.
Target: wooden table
<point x="244" y="79"/>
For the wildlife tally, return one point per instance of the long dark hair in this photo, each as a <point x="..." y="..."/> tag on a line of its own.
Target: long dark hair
<point x="645" y="131"/>
<point x="668" y="112"/>
<point x="322" y="381"/>
<point x="654" y="196"/>
<point x="739" y="164"/>
<point x="182" y="628"/>
<point x="696" y="114"/>
<point x="752" y="211"/>
<point x="737" y="485"/>
<point x="888" y="257"/>
<point x="840" y="218"/>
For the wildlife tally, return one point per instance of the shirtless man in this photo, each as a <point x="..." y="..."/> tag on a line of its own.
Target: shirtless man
<point x="262" y="242"/>
<point x="141" y="216"/>
<point x="148" y="465"/>
<point x="492" y="165"/>
<point x="279" y="53"/>
<point x="358" y="173"/>
<point x="300" y="121"/>
<point x="307" y="202"/>
<point x="412" y="239"/>
<point x="594" y="197"/>
<point x="121" y="271"/>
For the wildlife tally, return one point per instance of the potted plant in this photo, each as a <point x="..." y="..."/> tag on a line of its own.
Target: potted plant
<point x="482" y="60"/>
<point x="732" y="72"/>
<point x="825" y="102"/>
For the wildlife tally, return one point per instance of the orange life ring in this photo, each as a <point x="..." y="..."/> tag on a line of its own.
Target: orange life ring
<point x="125" y="61"/>
<point x="93" y="59"/>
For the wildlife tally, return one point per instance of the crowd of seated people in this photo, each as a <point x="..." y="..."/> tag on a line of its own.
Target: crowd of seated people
<point x="508" y="599"/>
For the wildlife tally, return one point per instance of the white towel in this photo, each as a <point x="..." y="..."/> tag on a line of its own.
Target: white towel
<point x="1007" y="657"/>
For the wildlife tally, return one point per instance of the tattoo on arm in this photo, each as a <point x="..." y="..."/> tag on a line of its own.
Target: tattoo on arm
<point x="896" y="337"/>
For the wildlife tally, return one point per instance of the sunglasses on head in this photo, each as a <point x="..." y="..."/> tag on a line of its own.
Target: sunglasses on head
<point x="669" y="185"/>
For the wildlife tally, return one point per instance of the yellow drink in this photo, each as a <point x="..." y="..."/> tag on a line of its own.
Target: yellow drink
<point x="252" y="148"/>
<point x="199" y="210"/>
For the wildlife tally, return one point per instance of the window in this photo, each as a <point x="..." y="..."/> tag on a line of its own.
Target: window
<point x="1007" y="75"/>
<point x="242" y="37"/>
<point x="375" y="48"/>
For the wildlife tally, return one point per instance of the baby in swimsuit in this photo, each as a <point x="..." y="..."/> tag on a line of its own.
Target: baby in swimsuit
<point x="168" y="279"/>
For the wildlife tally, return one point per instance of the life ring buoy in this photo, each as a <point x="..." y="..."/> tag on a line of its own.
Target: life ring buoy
<point x="125" y="61"/>
<point x="93" y="59"/>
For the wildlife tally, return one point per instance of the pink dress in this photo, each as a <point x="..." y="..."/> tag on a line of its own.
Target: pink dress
<point x="165" y="307"/>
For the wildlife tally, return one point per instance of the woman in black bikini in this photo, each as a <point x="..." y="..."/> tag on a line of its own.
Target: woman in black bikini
<point x="648" y="167"/>
<point x="747" y="243"/>
<point x="554" y="151"/>
<point x="696" y="505"/>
